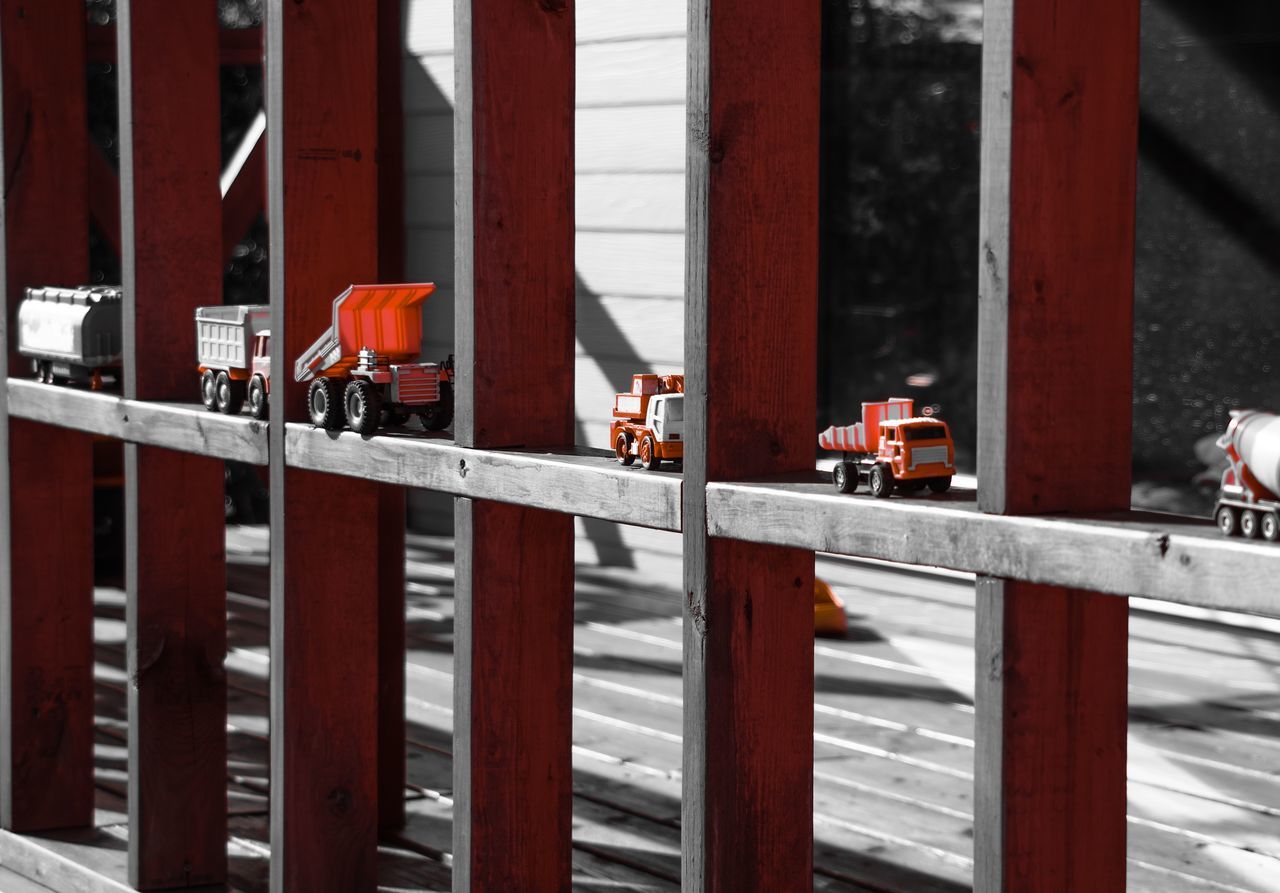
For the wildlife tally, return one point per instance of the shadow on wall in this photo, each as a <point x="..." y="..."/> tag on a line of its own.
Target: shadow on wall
<point x="429" y="252"/>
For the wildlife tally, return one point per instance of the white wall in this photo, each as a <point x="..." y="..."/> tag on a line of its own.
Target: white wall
<point x="630" y="216"/>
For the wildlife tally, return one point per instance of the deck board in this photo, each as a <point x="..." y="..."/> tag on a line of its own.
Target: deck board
<point x="893" y="716"/>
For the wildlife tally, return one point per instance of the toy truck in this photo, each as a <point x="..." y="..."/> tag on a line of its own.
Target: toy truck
<point x="1248" y="503"/>
<point x="361" y="368"/>
<point x="233" y="350"/>
<point x="72" y="334"/>
<point x="649" y="421"/>
<point x="892" y="448"/>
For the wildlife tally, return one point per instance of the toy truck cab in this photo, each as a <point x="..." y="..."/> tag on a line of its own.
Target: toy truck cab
<point x="910" y="452"/>
<point x="649" y="421"/>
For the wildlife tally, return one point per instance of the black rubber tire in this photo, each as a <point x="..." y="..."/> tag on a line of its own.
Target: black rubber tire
<point x="230" y="394"/>
<point x="649" y="454"/>
<point x="1270" y="526"/>
<point x="940" y="485"/>
<point x="363" y="404"/>
<point x="845" y="477"/>
<point x="48" y="377"/>
<point x="622" y="449"/>
<point x="324" y="403"/>
<point x="438" y="416"/>
<point x="259" y="406"/>
<point x="1249" y="524"/>
<point x="1225" y="518"/>
<point x="209" y="390"/>
<point x="881" y="481"/>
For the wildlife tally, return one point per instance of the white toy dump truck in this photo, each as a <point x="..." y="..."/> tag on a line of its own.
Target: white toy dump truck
<point x="1249" y="498"/>
<point x="233" y="350"/>
<point x="362" y="369"/>
<point x="72" y="334"/>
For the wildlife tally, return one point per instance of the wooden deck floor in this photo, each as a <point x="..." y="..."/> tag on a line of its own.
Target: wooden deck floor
<point x="893" y="740"/>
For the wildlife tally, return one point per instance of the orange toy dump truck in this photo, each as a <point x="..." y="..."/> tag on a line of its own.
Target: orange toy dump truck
<point x="892" y="448"/>
<point x="359" y="368"/>
<point x="649" y="421"/>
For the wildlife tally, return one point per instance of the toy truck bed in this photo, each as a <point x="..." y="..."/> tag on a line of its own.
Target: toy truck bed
<point x="71" y="333"/>
<point x="385" y="318"/>
<point x="224" y="337"/>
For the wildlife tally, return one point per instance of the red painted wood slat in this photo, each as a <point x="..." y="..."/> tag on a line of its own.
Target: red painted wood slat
<point x="515" y="335"/>
<point x="170" y="112"/>
<point x="46" y="693"/>
<point x="750" y="347"/>
<point x="1060" y="114"/>
<point x="322" y="148"/>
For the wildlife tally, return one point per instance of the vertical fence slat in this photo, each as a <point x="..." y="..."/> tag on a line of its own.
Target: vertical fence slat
<point x="46" y="609"/>
<point x="1060" y="110"/>
<point x="750" y="345"/>
<point x="170" y="116"/>
<point x="515" y="335"/>
<point x="322" y="148"/>
<point x="391" y="500"/>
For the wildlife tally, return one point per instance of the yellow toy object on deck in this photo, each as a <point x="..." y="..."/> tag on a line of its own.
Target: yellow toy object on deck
<point x="828" y="611"/>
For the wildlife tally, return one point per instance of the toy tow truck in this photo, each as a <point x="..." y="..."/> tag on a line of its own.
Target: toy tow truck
<point x="892" y="448"/>
<point x="233" y="350"/>
<point x="649" y="421"/>
<point x="361" y="368"/>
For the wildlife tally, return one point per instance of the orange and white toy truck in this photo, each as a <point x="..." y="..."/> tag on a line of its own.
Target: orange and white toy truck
<point x="649" y="421"/>
<point x="892" y="448"/>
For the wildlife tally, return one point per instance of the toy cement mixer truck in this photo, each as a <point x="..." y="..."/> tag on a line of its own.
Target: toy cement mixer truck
<point x="1249" y="498"/>
<point x="362" y="367"/>
<point x="892" y="449"/>
<point x="72" y="334"/>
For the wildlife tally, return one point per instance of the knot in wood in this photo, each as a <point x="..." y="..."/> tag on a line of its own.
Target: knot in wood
<point x="339" y="800"/>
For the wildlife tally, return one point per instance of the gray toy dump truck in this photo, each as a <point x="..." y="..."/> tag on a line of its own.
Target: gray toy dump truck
<point x="233" y="350"/>
<point x="72" y="334"/>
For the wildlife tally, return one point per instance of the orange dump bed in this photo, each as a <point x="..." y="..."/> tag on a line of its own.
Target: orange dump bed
<point x="384" y="318"/>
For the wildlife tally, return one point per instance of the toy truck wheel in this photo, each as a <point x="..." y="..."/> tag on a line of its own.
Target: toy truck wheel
<point x="230" y="394"/>
<point x="258" y="407"/>
<point x="1249" y="524"/>
<point x="439" y="415"/>
<point x="1226" y="518"/>
<point x="209" y="390"/>
<point x="1270" y="526"/>
<point x="622" y="449"/>
<point x="940" y="485"/>
<point x="845" y="477"/>
<point x="649" y="454"/>
<point x="881" y="482"/>
<point x="364" y="406"/>
<point x="324" y="403"/>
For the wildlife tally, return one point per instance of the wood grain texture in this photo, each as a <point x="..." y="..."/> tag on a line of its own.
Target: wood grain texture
<point x="46" y="624"/>
<point x="581" y="482"/>
<point x="1059" y="128"/>
<point x="171" y="224"/>
<point x="46" y="551"/>
<point x="514" y="147"/>
<point x="182" y="427"/>
<point x="750" y="336"/>
<point x="513" y="697"/>
<point x="177" y="637"/>
<point x="514" y="325"/>
<point x="322" y="148"/>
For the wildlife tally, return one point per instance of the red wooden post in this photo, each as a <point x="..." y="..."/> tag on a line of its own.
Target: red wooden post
<point x="1060" y="111"/>
<point x="322" y="150"/>
<point x="170" y="112"/>
<point x="515" y="325"/>
<point x="750" y="357"/>
<point x="46" y="608"/>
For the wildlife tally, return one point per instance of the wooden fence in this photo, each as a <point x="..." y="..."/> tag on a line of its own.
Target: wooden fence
<point x="1050" y="529"/>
